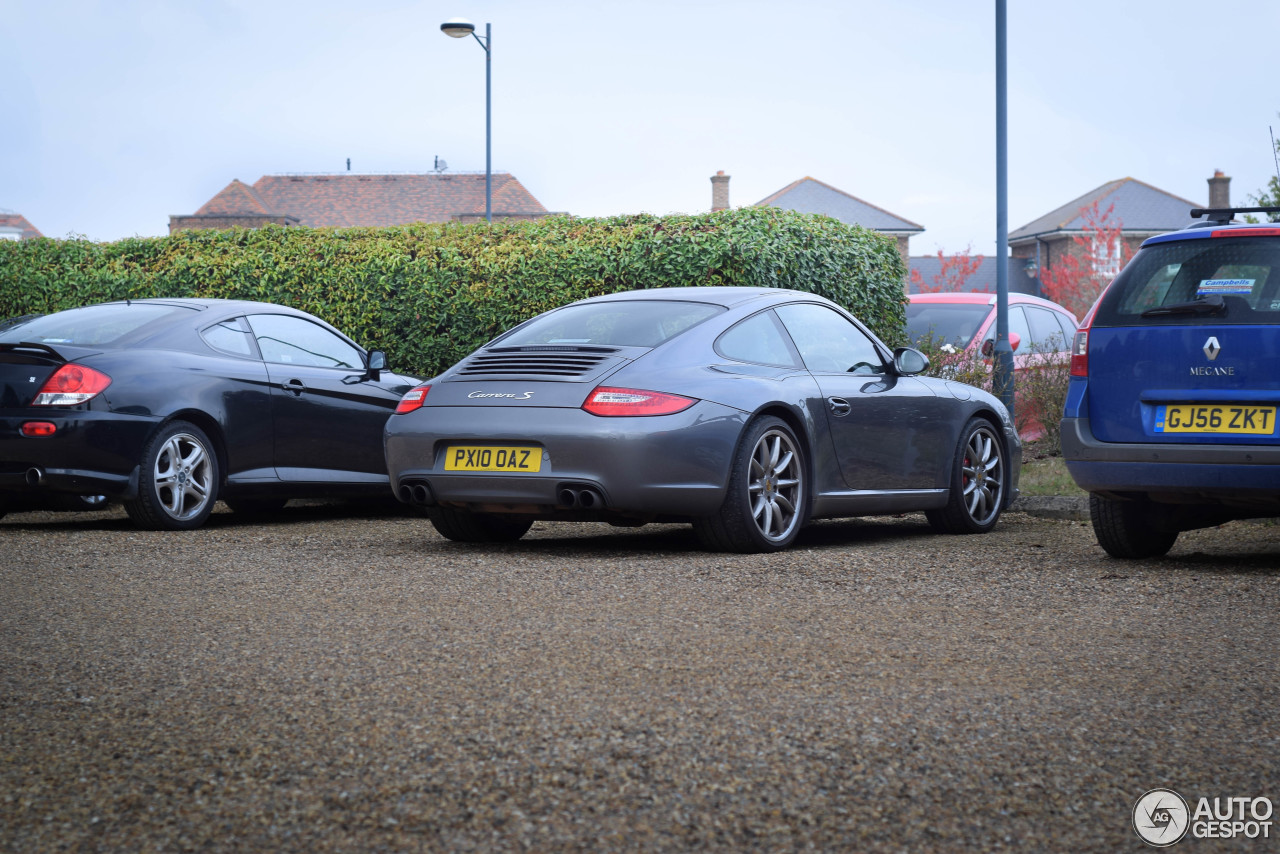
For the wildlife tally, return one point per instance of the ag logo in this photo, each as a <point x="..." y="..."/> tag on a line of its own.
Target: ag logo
<point x="1161" y="817"/>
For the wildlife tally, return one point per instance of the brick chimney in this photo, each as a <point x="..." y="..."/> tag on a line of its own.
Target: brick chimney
<point x="720" y="191"/>
<point x="1219" y="190"/>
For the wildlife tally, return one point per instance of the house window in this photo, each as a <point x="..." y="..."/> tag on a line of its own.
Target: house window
<point x="1106" y="256"/>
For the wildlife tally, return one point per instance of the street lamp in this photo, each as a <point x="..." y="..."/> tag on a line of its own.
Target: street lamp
<point x="459" y="28"/>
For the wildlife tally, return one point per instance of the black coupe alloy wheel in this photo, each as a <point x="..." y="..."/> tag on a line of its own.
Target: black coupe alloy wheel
<point x="179" y="480"/>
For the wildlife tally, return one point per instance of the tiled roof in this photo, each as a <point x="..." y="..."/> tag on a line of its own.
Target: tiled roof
<point x="352" y="199"/>
<point x="1138" y="207"/>
<point x="10" y="222"/>
<point x="236" y="198"/>
<point x="809" y="195"/>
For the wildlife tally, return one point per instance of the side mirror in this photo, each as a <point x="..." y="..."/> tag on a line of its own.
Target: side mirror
<point x="989" y="346"/>
<point x="377" y="364"/>
<point x="908" y="361"/>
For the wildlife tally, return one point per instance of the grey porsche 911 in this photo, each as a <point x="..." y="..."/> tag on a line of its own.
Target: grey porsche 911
<point x="745" y="411"/>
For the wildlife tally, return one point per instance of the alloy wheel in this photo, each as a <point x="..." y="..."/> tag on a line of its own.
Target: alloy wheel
<point x="982" y="475"/>
<point x="774" y="484"/>
<point x="183" y="476"/>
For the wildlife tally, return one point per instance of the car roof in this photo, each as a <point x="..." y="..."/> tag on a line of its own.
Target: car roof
<point x="1221" y="222"/>
<point x="1202" y="230"/>
<point x="957" y="297"/>
<point x="726" y="296"/>
<point x="983" y="298"/>
<point x="202" y="304"/>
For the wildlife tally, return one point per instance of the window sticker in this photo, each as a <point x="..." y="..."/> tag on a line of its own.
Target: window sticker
<point x="1225" y="286"/>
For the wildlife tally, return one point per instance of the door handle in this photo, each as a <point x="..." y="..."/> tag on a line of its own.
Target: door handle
<point x="295" y="386"/>
<point x="839" y="406"/>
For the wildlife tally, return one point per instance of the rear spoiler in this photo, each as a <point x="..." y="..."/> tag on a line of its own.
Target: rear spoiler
<point x="31" y="348"/>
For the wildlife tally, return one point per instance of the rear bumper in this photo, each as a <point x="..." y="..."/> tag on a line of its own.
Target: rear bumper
<point x="671" y="465"/>
<point x="1209" y="472"/>
<point x="90" y="453"/>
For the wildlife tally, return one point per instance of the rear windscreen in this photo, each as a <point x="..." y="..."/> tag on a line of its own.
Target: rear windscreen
<point x="92" y="326"/>
<point x="1217" y="280"/>
<point x="938" y="323"/>
<point x="629" y="323"/>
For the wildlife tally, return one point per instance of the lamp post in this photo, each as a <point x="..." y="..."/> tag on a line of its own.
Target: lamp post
<point x="1003" y="377"/>
<point x="458" y="28"/>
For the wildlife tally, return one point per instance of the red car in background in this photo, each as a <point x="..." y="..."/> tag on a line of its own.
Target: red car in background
<point x="960" y="328"/>
<point x="966" y="321"/>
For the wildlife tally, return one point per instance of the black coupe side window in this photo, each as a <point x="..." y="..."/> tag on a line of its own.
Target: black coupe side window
<point x="229" y="336"/>
<point x="293" y="341"/>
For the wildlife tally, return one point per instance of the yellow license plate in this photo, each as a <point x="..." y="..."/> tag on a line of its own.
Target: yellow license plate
<point x="1199" y="418"/>
<point x="491" y="458"/>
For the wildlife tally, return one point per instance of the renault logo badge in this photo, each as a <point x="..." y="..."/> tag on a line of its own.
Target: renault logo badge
<point x="1212" y="348"/>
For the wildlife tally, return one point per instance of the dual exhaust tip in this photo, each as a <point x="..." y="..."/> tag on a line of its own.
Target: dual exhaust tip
<point x="573" y="496"/>
<point x="580" y="498"/>
<point x="415" y="492"/>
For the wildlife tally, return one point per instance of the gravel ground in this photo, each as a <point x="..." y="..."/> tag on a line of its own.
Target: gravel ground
<point x="346" y="683"/>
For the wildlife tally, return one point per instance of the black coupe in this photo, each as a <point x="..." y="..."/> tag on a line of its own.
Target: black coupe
<point x="171" y="404"/>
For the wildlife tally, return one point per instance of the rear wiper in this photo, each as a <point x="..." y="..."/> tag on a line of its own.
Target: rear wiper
<point x="1212" y="304"/>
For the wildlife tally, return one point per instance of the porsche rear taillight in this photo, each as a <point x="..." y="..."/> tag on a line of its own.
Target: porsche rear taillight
<point x="71" y="385"/>
<point x="413" y="399"/>
<point x="610" y="402"/>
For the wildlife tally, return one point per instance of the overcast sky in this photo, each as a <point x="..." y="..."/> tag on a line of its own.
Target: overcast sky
<point x="119" y="113"/>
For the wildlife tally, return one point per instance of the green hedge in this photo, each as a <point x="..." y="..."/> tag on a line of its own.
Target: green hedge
<point x="430" y="293"/>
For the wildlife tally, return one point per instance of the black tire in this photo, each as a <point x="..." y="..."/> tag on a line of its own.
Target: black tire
<point x="178" y="480"/>
<point x="256" y="506"/>
<point x="979" y="475"/>
<point x="768" y="498"/>
<point x="1124" y="529"/>
<point x="464" y="526"/>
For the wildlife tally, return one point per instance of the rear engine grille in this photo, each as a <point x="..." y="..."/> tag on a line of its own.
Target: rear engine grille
<point x="544" y="361"/>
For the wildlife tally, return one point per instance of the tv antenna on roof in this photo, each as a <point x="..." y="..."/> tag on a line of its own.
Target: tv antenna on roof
<point x="1275" y="152"/>
<point x="440" y="164"/>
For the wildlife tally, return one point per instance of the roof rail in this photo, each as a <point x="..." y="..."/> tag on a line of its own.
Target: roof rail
<point x="1222" y="216"/>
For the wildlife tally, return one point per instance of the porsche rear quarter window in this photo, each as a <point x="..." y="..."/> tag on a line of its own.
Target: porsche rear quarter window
<point x="756" y="339"/>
